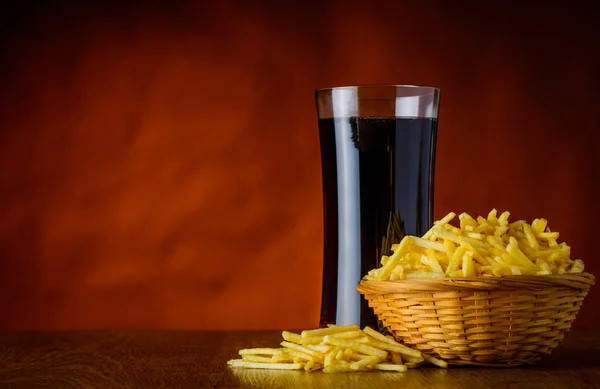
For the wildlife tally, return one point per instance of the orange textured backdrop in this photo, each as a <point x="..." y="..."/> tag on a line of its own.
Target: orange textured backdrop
<point x="159" y="164"/>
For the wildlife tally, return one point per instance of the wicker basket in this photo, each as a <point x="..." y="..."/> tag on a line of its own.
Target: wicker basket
<point x="485" y="321"/>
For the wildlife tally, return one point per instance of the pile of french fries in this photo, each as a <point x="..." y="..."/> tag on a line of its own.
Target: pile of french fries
<point x="336" y="349"/>
<point x="478" y="247"/>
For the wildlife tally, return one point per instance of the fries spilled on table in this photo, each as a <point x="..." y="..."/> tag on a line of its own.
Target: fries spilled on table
<point x="484" y="246"/>
<point x="336" y="349"/>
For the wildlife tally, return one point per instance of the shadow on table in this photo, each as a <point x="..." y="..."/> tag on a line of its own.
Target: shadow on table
<point x="570" y="358"/>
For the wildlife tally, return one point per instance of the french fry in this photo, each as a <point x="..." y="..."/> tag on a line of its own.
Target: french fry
<point x="291" y="337"/>
<point x="364" y="362"/>
<point x="329" y="330"/>
<point x="255" y="358"/>
<point x="396" y="359"/>
<point x="257" y="365"/>
<point x="390" y="367"/>
<point x="339" y="368"/>
<point x="435" y="361"/>
<point x="301" y="349"/>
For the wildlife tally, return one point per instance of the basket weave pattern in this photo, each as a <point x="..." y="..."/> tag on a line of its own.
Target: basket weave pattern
<point x="487" y="321"/>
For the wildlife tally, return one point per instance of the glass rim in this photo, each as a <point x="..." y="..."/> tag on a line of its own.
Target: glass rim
<point x="373" y="86"/>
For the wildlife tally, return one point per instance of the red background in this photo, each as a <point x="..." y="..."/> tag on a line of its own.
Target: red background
<point x="160" y="163"/>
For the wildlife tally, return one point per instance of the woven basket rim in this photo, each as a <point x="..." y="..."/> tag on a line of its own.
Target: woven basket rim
<point x="581" y="281"/>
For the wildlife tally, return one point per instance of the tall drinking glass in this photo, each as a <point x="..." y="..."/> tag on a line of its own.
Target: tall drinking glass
<point x="377" y="159"/>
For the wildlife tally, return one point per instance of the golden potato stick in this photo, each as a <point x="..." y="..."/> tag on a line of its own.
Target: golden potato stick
<point x="500" y="230"/>
<point x="291" y="337"/>
<point x="355" y="356"/>
<point x="358" y="347"/>
<point x="531" y="239"/>
<point x="314" y="340"/>
<point x="379" y="336"/>
<point x="318" y="347"/>
<point x="492" y="217"/>
<point x="432" y="256"/>
<point x="429" y="234"/>
<point x="517" y="225"/>
<point x="577" y="266"/>
<point x="389" y="367"/>
<point x="539" y="225"/>
<point x="497" y="243"/>
<point x="445" y="220"/>
<point x="485" y="229"/>
<point x="348" y="353"/>
<point x="467" y="266"/>
<point x="337" y="342"/>
<point x="562" y="269"/>
<point x="543" y="265"/>
<point x="446" y="235"/>
<point x="465" y="220"/>
<point x="398" y="348"/>
<point x="329" y="330"/>
<point x="503" y="219"/>
<point x="283" y="356"/>
<point x="303" y="357"/>
<point x="309" y="365"/>
<point x="442" y="258"/>
<point x="316" y="366"/>
<point x="396" y="358"/>
<point x="476" y="268"/>
<point x="256" y="358"/>
<point x="342" y="367"/>
<point x="432" y="262"/>
<point x="411" y="359"/>
<point x="455" y="260"/>
<point x="330" y="356"/>
<point x="402" y="349"/>
<point x="385" y="271"/>
<point x="302" y="349"/>
<point x="548" y="235"/>
<point x="364" y="362"/>
<point x="501" y="271"/>
<point x="419" y="242"/>
<point x="348" y="334"/>
<point x="435" y="361"/>
<point x="257" y="365"/>
<point x="513" y="249"/>
<point x="475" y="235"/>
<point x="466" y="242"/>
<point x="449" y="248"/>
<point x="260" y="351"/>
<point x="384" y="260"/>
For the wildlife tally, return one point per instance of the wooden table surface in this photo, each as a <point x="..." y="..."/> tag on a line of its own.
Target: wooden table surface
<point x="197" y="359"/>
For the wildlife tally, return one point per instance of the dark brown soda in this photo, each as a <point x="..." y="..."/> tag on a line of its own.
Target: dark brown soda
<point x="378" y="179"/>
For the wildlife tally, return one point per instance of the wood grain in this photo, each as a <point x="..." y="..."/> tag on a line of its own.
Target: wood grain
<point x="192" y="359"/>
